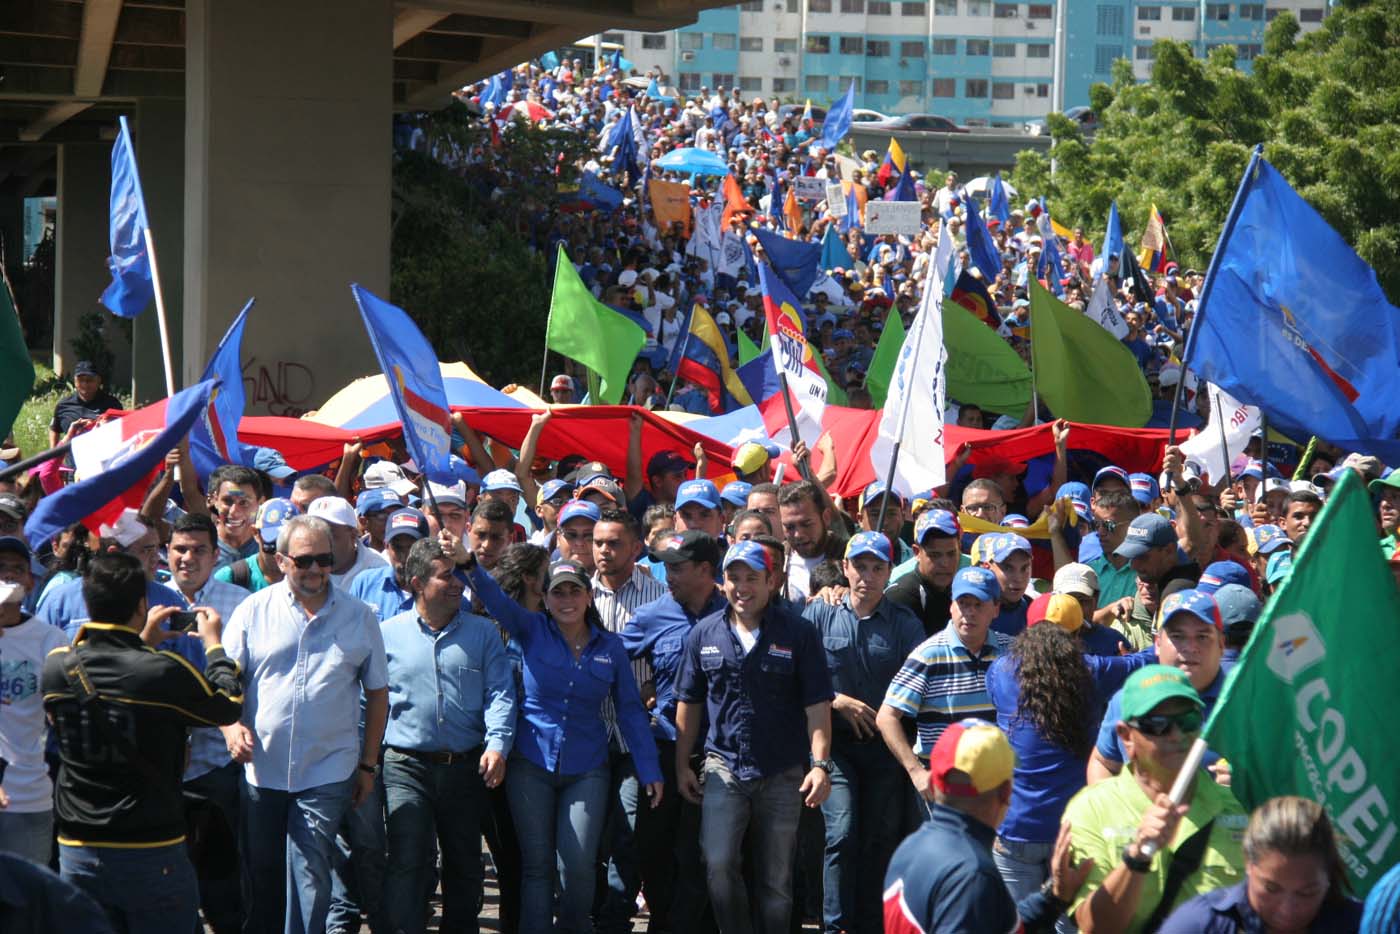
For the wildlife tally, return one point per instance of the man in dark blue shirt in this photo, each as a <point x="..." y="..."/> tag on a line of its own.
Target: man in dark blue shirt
<point x="761" y="675"/>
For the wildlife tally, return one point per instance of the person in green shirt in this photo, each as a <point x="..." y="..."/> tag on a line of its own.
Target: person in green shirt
<point x="1387" y="494"/>
<point x="1114" y="510"/>
<point x="1131" y="830"/>
<point x="260" y="569"/>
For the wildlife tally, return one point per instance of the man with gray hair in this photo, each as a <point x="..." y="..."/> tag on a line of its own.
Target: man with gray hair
<point x="306" y="649"/>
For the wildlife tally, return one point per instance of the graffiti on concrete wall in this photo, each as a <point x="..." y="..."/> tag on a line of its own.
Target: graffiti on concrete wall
<point x="279" y="387"/>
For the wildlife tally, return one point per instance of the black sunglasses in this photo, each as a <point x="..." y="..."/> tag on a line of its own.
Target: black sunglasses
<point x="303" y="562"/>
<point x="1160" y="724"/>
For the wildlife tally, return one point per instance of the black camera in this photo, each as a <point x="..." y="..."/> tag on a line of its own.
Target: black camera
<point x="183" y="621"/>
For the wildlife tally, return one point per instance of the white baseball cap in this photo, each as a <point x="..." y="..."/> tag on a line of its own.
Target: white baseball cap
<point x="454" y="494"/>
<point x="1077" y="579"/>
<point x="335" y="510"/>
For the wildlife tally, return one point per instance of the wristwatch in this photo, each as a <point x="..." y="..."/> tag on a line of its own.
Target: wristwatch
<point x="826" y="765"/>
<point x="372" y="768"/>
<point x="1136" y="863"/>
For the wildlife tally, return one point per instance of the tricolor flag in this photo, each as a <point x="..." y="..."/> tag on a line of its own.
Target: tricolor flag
<point x="894" y="163"/>
<point x="971" y="293"/>
<point x="214" y="438"/>
<point x="1156" y="245"/>
<point x="793" y="358"/>
<point x="703" y="358"/>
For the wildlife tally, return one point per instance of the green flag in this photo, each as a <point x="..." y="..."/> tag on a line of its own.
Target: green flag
<point x="835" y="392"/>
<point x="16" y="369"/>
<point x="584" y="329"/>
<point x="748" y="350"/>
<point x="1083" y="372"/>
<point x="1307" y="710"/>
<point x="982" y="367"/>
<point x="877" y="378"/>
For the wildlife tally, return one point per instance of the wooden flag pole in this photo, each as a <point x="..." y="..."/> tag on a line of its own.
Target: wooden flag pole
<point x="804" y="466"/>
<point x="160" y="313"/>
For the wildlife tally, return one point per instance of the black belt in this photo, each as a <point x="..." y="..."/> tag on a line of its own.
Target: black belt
<point x="438" y="758"/>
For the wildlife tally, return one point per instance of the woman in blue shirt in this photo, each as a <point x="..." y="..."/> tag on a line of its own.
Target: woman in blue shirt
<point x="558" y="777"/>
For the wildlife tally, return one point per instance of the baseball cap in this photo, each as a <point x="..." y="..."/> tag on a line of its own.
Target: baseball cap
<point x="697" y="491"/>
<point x="751" y="457"/>
<point x="587" y="471"/>
<point x="12" y="506"/>
<point x="462" y="470"/>
<point x="975" y="749"/>
<point x="751" y="553"/>
<point x="372" y="501"/>
<point x="1144" y="487"/>
<point x="1391" y="480"/>
<point x="334" y="509"/>
<point x="1368" y="465"/>
<point x="667" y="462"/>
<point x="604" y="486"/>
<point x="566" y="572"/>
<point x="384" y="473"/>
<point x="1269" y="539"/>
<point x="1014" y="520"/>
<point x="500" y="480"/>
<point x="1149" y="686"/>
<point x="1078" y="494"/>
<point x="85" y="368"/>
<point x="1219" y="573"/>
<point x="689" y="545"/>
<point x="407" y="521"/>
<point x="1058" y="608"/>
<point x="875" y="490"/>
<point x="1239" y="608"/>
<point x="11" y="543"/>
<point x="1146" y="532"/>
<point x="272" y="515"/>
<point x="1002" y="545"/>
<point x="736" y="492"/>
<point x="553" y="489"/>
<point x="976" y="582"/>
<point x="1255" y="469"/>
<point x="562" y="382"/>
<point x="455" y="494"/>
<point x="935" y="520"/>
<point x="1280" y="566"/>
<point x="579" y="509"/>
<point x="1111" y="472"/>
<point x="1194" y="602"/>
<point x="870" y="543"/>
<point x="271" y="462"/>
<point x="1076" y="579"/>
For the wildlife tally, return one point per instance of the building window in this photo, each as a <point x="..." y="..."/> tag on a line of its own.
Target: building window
<point x="751" y="85"/>
<point x="913" y="9"/>
<point x="1038" y="50"/>
<point x="722" y="80"/>
<point x="752" y="6"/>
<point x="1042" y="90"/>
<point x="945" y="47"/>
<point x="1003" y="50"/>
<point x="979" y="47"/>
<point x="654" y="41"/>
<point x="819" y="45"/>
<point x="849" y="79"/>
<point x="1003" y="91"/>
<point x="1220" y="12"/>
<point x="750" y="43"/>
<point x="818" y="6"/>
<point x="814" y="84"/>
<point x="1254" y="11"/>
<point x="1006" y="11"/>
<point x="784" y="45"/>
<point x="1149" y="13"/>
<point x="877" y="48"/>
<point x="1039" y="11"/>
<point x="979" y="7"/>
<point x="1110" y="20"/>
<point x="852" y="45"/>
<point x="688" y="80"/>
<point x="945" y="7"/>
<point x="784" y="85"/>
<point x="613" y="37"/>
<point x="975" y="87"/>
<point x="1143" y="53"/>
<point x="945" y="87"/>
<point x="1105" y="56"/>
<point x="1183" y="14"/>
<point x="1311" y="15"/>
<point x="1250" y="51"/>
<point x="911" y="50"/>
<point x="723" y="40"/>
<point x="879" y="8"/>
<point x="852" y="6"/>
<point x="911" y="89"/>
<point x="875" y="86"/>
<point x="692" y="40"/>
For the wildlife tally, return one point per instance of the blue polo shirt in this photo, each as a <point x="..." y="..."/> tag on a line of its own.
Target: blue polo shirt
<point x="942" y="878"/>
<point x="1102" y="640"/>
<point x="1226" y="911"/>
<point x="657" y="633"/>
<point x="379" y="587"/>
<point x="756" y="702"/>
<point x="864" y="654"/>
<point x="1111" y="748"/>
<point x="1011" y="620"/>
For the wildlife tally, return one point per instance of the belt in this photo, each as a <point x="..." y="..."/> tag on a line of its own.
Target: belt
<point x="438" y="758"/>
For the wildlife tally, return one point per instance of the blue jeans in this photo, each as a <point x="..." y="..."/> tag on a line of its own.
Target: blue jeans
<point x="431" y="801"/>
<point x="358" y="867"/>
<point x="27" y="835"/>
<point x="211" y="813"/>
<point x="559" y="820"/>
<point x="863" y="822"/>
<point x="1023" y="865"/>
<point x="286" y="840"/>
<point x="621" y="879"/>
<point x="143" y="891"/>
<point x="767" y="809"/>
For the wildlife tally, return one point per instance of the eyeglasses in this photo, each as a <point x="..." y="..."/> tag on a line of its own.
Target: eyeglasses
<point x="303" y="562"/>
<point x="980" y="507"/>
<point x="1160" y="724"/>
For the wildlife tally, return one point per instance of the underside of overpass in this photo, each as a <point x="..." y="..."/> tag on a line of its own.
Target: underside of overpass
<point x="262" y="131"/>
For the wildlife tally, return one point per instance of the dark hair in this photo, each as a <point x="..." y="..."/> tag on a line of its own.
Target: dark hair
<point x="1118" y="499"/>
<point x="1229" y="533"/>
<point x="827" y="574"/>
<point x="765" y="489"/>
<point x="745" y="515"/>
<point x="1055" y="686"/>
<point x="317" y="483"/>
<point x="239" y="475"/>
<point x="794" y="493"/>
<point x="621" y="517"/>
<point x="114" y="587"/>
<point x="193" y="523"/>
<point x="518" y="563"/>
<point x="493" y="510"/>
<point x="1302" y="496"/>
<point x="421" y="557"/>
<point x="988" y="484"/>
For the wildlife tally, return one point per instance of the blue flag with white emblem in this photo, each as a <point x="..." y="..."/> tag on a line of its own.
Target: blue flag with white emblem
<point x="132" y="287"/>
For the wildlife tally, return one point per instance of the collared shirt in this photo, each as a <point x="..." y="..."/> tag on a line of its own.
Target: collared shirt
<point x="756" y="701"/>
<point x="449" y="690"/>
<point x="657" y="632"/>
<point x="941" y="682"/>
<point x="208" y="750"/>
<point x="366" y="559"/>
<point x="863" y="654"/>
<point x="1227" y="911"/>
<point x="1011" y="619"/>
<point x="72" y="407"/>
<point x="1110" y="747"/>
<point x="1104" y="818"/>
<point x="560" y="726"/>
<point x="1114" y="583"/>
<point x="303" y="679"/>
<point x="616" y="608"/>
<point x="379" y="587"/>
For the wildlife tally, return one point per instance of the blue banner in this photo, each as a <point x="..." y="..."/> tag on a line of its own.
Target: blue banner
<point x="980" y="245"/>
<point x="132" y="288"/>
<point x="996" y="199"/>
<point x="214" y="437"/>
<point x="795" y="262"/>
<point x="838" y="120"/>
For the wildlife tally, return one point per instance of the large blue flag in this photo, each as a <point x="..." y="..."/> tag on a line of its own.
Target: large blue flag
<point x="623" y="135"/>
<point x="1293" y="321"/>
<point x="1112" y="240"/>
<point x="834" y="252"/>
<point x="597" y="193"/>
<point x="996" y="199"/>
<point x="214" y="438"/>
<point x="134" y="453"/>
<point x="838" y="120"/>
<point x="903" y="190"/>
<point x="415" y="384"/>
<point x="980" y="245"/>
<point x="132" y="287"/>
<point x="795" y="262"/>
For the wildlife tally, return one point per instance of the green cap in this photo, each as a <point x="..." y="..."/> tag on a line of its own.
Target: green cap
<point x="1148" y="687"/>
<point x="1391" y="480"/>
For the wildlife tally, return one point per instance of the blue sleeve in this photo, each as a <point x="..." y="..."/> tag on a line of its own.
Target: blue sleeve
<point x="690" y="681"/>
<point x="814" y="678"/>
<point x="636" y="639"/>
<point x="1109" y="671"/>
<point x="514" y="618"/>
<point x="1191" y="917"/>
<point x="632" y="718"/>
<point x="1107" y="745"/>
<point x="500" y="693"/>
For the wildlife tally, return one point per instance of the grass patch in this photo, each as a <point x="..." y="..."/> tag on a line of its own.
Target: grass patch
<point x="31" y="428"/>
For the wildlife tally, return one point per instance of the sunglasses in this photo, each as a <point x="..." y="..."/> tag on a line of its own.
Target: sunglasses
<point x="304" y="562"/>
<point x="1160" y="724"/>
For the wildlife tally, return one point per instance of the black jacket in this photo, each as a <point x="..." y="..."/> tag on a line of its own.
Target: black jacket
<point x="930" y="605"/>
<point x="104" y="797"/>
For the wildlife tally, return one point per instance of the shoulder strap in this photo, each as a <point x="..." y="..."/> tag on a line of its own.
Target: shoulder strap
<point x="87" y="695"/>
<point x="1186" y="859"/>
<point x="239" y="573"/>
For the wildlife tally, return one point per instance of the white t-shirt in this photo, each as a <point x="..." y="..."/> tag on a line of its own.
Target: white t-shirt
<point x="23" y="728"/>
<point x="799" y="575"/>
<point x="365" y="559"/>
<point x="747" y="638"/>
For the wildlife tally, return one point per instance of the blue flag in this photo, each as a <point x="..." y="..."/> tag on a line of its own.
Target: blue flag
<point x="598" y="194"/>
<point x="134" y="459"/>
<point x="549" y="61"/>
<point x="622" y="136"/>
<point x="996" y="199"/>
<point x="494" y="94"/>
<point x="1293" y="321"/>
<point x="214" y="438"/>
<point x="410" y="366"/>
<point x="132" y="288"/>
<point x="834" y="252"/>
<point x="838" y="120"/>
<point x="852" y="218"/>
<point x="795" y="262"/>
<point x="1113" y="240"/>
<point x="903" y="190"/>
<point x="980" y="245"/>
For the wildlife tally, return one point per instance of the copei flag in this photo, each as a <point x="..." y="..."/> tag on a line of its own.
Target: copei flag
<point x="584" y="329"/>
<point x="971" y="293"/>
<point x="1084" y="373"/>
<point x="132" y="287"/>
<point x="214" y="437"/>
<point x="1156" y="246"/>
<point x="411" y="369"/>
<point x="793" y="357"/>
<point x="1309" y="709"/>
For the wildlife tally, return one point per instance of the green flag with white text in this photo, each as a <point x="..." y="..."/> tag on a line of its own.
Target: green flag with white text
<point x="584" y="329"/>
<point x="1308" y="709"/>
<point x="877" y="378"/>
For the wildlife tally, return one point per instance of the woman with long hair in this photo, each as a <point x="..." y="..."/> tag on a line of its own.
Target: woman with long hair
<point x="1295" y="882"/>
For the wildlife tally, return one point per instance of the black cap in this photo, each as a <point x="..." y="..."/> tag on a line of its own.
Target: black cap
<point x="9" y="543"/>
<point x="690" y="545"/>
<point x="85" y="368"/>
<point x="13" y="506"/>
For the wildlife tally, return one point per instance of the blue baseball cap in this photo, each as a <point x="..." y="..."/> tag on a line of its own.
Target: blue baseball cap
<point x="1144" y="487"/>
<point x="935" y="520"/>
<point x="1280" y="566"/>
<point x="874" y="491"/>
<point x="579" y="509"/>
<point x="272" y="515"/>
<point x="751" y="553"/>
<point x="870" y="543"/>
<point x="1194" y="602"/>
<point x="697" y="491"/>
<point x="1146" y="532"/>
<point x="1111" y="472"/>
<point x="1078" y="493"/>
<point x="410" y="522"/>
<point x="501" y="479"/>
<point x="976" y="582"/>
<point x="271" y="462"/>
<point x="1269" y="539"/>
<point x="840" y="333"/>
<point x="1014" y="520"/>
<point x="999" y="546"/>
<point x="667" y="462"/>
<point x="553" y="489"/>
<point x="1219" y="573"/>
<point x="736" y="492"/>
<point x="377" y="500"/>
<point x="1255" y="469"/>
<point x="1239" y="607"/>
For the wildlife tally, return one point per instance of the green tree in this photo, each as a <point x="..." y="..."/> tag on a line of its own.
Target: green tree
<point x="1325" y="106"/>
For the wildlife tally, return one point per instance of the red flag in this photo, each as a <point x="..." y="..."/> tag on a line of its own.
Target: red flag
<point x="735" y="203"/>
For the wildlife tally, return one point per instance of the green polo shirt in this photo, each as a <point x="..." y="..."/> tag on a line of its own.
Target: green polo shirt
<point x="1388" y="546"/>
<point x="1114" y="583"/>
<point x="1104" y="819"/>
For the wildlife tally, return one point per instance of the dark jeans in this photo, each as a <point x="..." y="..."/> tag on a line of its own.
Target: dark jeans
<point x="499" y="829"/>
<point x="619" y="880"/>
<point x="442" y="801"/>
<point x="286" y="840"/>
<point x="211" y="814"/>
<point x="863" y="817"/>
<point x="143" y="891"/>
<point x="668" y="848"/>
<point x="358" y="867"/>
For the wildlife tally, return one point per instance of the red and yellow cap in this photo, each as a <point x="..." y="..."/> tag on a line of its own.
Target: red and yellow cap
<point x="978" y="750"/>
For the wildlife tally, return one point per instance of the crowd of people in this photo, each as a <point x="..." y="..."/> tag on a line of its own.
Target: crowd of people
<point x="309" y="701"/>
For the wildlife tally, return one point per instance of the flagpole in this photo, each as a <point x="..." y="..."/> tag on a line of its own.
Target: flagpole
<point x="1263" y="453"/>
<point x="804" y="467"/>
<point x="160" y="313"/>
<point x="1224" y="443"/>
<point x="19" y="467"/>
<point x="1184" y="777"/>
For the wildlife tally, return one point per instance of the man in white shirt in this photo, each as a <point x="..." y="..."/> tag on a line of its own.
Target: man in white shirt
<point x="350" y="556"/>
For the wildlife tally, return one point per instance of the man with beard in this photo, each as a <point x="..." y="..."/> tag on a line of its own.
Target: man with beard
<point x="806" y="520"/>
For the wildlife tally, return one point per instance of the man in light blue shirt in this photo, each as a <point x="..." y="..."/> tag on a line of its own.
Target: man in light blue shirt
<point x="306" y="650"/>
<point x="451" y="725"/>
<point x="386" y="589"/>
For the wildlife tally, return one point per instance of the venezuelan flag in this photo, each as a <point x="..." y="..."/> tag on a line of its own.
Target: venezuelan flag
<point x="894" y="163"/>
<point x="704" y="360"/>
<point x="971" y="293"/>
<point x="1156" y="245"/>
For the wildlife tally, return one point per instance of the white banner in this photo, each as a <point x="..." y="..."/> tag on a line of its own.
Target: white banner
<point x="893" y="217"/>
<point x="809" y="188"/>
<point x="835" y="200"/>
<point x="731" y="261"/>
<point x="1241" y="422"/>
<point x="1102" y="310"/>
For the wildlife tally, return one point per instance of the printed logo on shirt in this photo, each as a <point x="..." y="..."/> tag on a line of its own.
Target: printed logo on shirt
<point x="709" y="650"/>
<point x="780" y="651"/>
<point x="18" y="680"/>
<point x="602" y="658"/>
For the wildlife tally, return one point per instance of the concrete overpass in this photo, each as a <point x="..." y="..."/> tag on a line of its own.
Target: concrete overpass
<point x="979" y="152"/>
<point x="262" y="129"/>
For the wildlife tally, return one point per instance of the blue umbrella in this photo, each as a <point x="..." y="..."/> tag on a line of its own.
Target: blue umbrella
<point x="693" y="161"/>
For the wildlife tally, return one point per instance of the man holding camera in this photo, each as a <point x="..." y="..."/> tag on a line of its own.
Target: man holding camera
<point x="121" y="712"/>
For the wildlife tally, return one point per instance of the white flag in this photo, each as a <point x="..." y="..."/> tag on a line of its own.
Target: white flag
<point x="1102" y="310"/>
<point x="1241" y="421"/>
<point x="731" y="261"/>
<point x="913" y="413"/>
